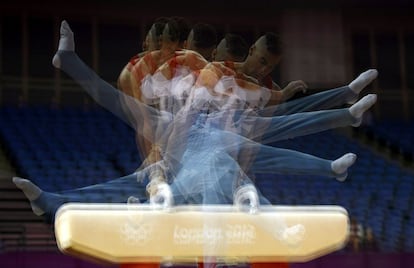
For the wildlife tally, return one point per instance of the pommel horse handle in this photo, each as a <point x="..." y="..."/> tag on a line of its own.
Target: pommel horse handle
<point x="142" y="233"/>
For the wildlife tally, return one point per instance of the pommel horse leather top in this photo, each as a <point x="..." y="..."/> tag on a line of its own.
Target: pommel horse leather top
<point x="142" y="233"/>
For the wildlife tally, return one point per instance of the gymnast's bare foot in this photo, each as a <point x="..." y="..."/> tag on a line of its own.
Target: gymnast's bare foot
<point x="66" y="42"/>
<point x="341" y="165"/>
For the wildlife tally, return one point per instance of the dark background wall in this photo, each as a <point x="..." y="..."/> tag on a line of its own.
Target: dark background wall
<point x="327" y="42"/>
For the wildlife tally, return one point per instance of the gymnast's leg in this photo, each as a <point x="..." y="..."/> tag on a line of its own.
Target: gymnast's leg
<point x="326" y="99"/>
<point x="277" y="128"/>
<point x="289" y="162"/>
<point x="102" y="92"/>
<point x="268" y="159"/>
<point x="115" y="191"/>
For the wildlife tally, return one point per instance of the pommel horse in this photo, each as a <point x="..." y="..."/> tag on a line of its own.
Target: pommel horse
<point x="146" y="235"/>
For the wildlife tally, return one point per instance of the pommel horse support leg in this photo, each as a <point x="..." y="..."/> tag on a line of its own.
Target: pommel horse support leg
<point x="147" y="235"/>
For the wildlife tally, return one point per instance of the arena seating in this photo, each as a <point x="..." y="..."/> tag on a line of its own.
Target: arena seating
<point x="396" y="135"/>
<point x="68" y="148"/>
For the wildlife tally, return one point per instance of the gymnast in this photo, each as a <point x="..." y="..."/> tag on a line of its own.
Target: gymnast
<point x="202" y="39"/>
<point x="169" y="36"/>
<point x="152" y="42"/>
<point x="232" y="47"/>
<point x="325" y="99"/>
<point x="264" y="55"/>
<point x="207" y="127"/>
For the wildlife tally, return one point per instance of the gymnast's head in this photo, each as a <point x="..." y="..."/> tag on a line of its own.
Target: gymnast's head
<point x="231" y="48"/>
<point x="202" y="39"/>
<point x="175" y="32"/>
<point x="153" y="37"/>
<point x="264" y="55"/>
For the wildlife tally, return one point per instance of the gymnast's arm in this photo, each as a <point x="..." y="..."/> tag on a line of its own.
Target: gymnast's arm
<point x="279" y="95"/>
<point x="148" y="143"/>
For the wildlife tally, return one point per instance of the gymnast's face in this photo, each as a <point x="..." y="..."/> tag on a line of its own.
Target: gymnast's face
<point x="189" y="44"/>
<point x="260" y="61"/>
<point x="145" y="44"/>
<point x="152" y="41"/>
<point x="220" y="52"/>
<point x="167" y="38"/>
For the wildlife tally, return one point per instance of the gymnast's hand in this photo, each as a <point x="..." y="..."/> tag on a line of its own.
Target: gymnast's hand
<point x="293" y="87"/>
<point x="153" y="157"/>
